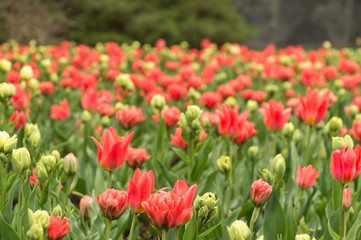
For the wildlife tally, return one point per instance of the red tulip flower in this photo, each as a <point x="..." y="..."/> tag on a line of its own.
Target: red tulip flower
<point x="128" y="118"/>
<point x="306" y="176"/>
<point x="136" y="157"/>
<point x="210" y="99"/>
<point x="58" y="228"/>
<point x="19" y="118"/>
<point x="345" y="165"/>
<point x="112" y="203"/>
<point x="113" y="150"/>
<point x="139" y="189"/>
<point x="85" y="206"/>
<point x="177" y="140"/>
<point x="61" y="112"/>
<point x="170" y="115"/>
<point x="171" y="209"/>
<point x="313" y="107"/>
<point x="21" y="100"/>
<point x="356" y="130"/>
<point x="274" y="117"/>
<point x="261" y="191"/>
<point x="346" y="199"/>
<point x="46" y="88"/>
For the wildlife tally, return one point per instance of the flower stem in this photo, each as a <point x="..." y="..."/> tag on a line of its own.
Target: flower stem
<point x="19" y="213"/>
<point x="191" y="156"/>
<point x="108" y="228"/>
<point x="132" y="227"/>
<point x="254" y="217"/>
<point x="230" y="159"/>
<point x="344" y="225"/>
<point x="308" y="136"/>
<point x="164" y="234"/>
<point x="340" y="218"/>
<point x="3" y="185"/>
<point x="109" y="180"/>
<point x="176" y="233"/>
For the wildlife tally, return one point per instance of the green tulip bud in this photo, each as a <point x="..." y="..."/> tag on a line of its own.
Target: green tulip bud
<point x="35" y="232"/>
<point x="26" y="72"/>
<point x="271" y="89"/>
<point x="120" y="106"/>
<point x="231" y="101"/>
<point x="303" y="237"/>
<point x="41" y="217"/>
<point x="21" y="160"/>
<point x="41" y="173"/>
<point x="252" y="105"/>
<point x="288" y="130"/>
<point x="157" y="103"/>
<point x="193" y="94"/>
<point x="203" y="212"/>
<point x="7" y="90"/>
<point x="253" y="152"/>
<point x="125" y="82"/>
<point x="279" y="168"/>
<point x="192" y="113"/>
<point x="56" y="154"/>
<point x="31" y="218"/>
<point x="239" y="231"/>
<point x="333" y="126"/>
<point x="54" y="78"/>
<point x="266" y="175"/>
<point x="286" y="86"/>
<point x="297" y="135"/>
<point x="4" y="137"/>
<point x="224" y="165"/>
<point x="70" y="164"/>
<point x="338" y="84"/>
<point x="49" y="162"/>
<point x="337" y="143"/>
<point x="105" y="120"/>
<point x="348" y="141"/>
<point x="5" y="65"/>
<point x="57" y="211"/>
<point x="11" y="144"/>
<point x="34" y="84"/>
<point x="86" y="116"/>
<point x="353" y="110"/>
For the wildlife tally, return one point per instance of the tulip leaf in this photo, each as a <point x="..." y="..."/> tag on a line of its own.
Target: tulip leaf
<point x="7" y="232"/>
<point x="332" y="222"/>
<point x="181" y="154"/>
<point x="274" y="228"/>
<point x="191" y="231"/>
<point x="352" y="233"/>
<point x="171" y="177"/>
<point x="208" y="231"/>
<point x="200" y="162"/>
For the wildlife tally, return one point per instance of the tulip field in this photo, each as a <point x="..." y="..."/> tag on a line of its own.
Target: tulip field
<point x="131" y="141"/>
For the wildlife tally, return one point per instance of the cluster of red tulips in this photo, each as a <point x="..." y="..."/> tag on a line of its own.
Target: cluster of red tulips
<point x="141" y="142"/>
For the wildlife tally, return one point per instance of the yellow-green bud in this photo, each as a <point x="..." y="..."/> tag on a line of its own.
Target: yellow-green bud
<point x="326" y="44"/>
<point x="41" y="217"/>
<point x="7" y="90"/>
<point x="278" y="167"/>
<point x="337" y="143"/>
<point x="31" y="218"/>
<point x="288" y="129"/>
<point x="333" y="126"/>
<point x="104" y="58"/>
<point x="4" y="137"/>
<point x="353" y="110"/>
<point x="196" y="67"/>
<point x="348" y="141"/>
<point x="34" y="84"/>
<point x="49" y="162"/>
<point x="231" y="101"/>
<point x="45" y="63"/>
<point x="261" y="238"/>
<point x="11" y="144"/>
<point x="192" y="113"/>
<point x="105" y="120"/>
<point x="182" y="121"/>
<point x="322" y="151"/>
<point x="41" y="173"/>
<point x="224" y="165"/>
<point x="285" y="60"/>
<point x="253" y="152"/>
<point x="266" y="175"/>
<point x="70" y="164"/>
<point x="239" y="231"/>
<point x="157" y="103"/>
<point x="124" y="81"/>
<point x="358" y="117"/>
<point x="35" y="139"/>
<point x="193" y="94"/>
<point x="297" y="135"/>
<point x="5" y="65"/>
<point x="57" y="211"/>
<point x="35" y="232"/>
<point x="21" y="160"/>
<point x="86" y="116"/>
<point x="338" y="84"/>
<point x="271" y="88"/>
<point x="120" y="106"/>
<point x="26" y="72"/>
<point x="203" y="212"/>
<point x="303" y="237"/>
<point x="252" y="105"/>
<point x="56" y="154"/>
<point x="341" y="93"/>
<point x="54" y="78"/>
<point x="286" y="86"/>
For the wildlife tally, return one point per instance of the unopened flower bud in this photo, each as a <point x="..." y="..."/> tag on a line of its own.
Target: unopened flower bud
<point x="192" y="113"/>
<point x="271" y="89"/>
<point x="26" y="72"/>
<point x="34" y="84"/>
<point x="252" y="105"/>
<point x="338" y="84"/>
<point x="41" y="217"/>
<point x="278" y="167"/>
<point x="288" y="130"/>
<point x="224" y="165"/>
<point x="4" y="137"/>
<point x="35" y="139"/>
<point x="157" y="103"/>
<point x="5" y="65"/>
<point x="85" y="206"/>
<point x="231" y="101"/>
<point x="266" y="175"/>
<point x="35" y="232"/>
<point x="182" y="121"/>
<point x="56" y="154"/>
<point x="203" y="212"/>
<point x="286" y="86"/>
<point x="336" y="124"/>
<point x="7" y="90"/>
<point x="120" y="106"/>
<point x="21" y="160"/>
<point x="49" y="162"/>
<point x="124" y="81"/>
<point x="11" y="144"/>
<point x="193" y="94"/>
<point x="353" y="110"/>
<point x="253" y="152"/>
<point x="239" y="231"/>
<point x="348" y="141"/>
<point x="297" y="135"/>
<point x="326" y="44"/>
<point x="57" y="211"/>
<point x="70" y="164"/>
<point x="105" y="120"/>
<point x="41" y="173"/>
<point x="261" y="191"/>
<point x="346" y="199"/>
<point x="54" y="78"/>
<point x="86" y="116"/>
<point x="337" y="143"/>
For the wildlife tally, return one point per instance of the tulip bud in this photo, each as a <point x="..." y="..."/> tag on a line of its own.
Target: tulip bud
<point x="5" y="65"/>
<point x="70" y="164"/>
<point x="26" y="72"/>
<point x="353" y="110"/>
<point x="224" y="165"/>
<point x="120" y="106"/>
<point x="41" y="174"/>
<point x="86" y="116"/>
<point x="205" y="208"/>
<point x="286" y="86"/>
<point x="157" y="103"/>
<point x="261" y="191"/>
<point x="333" y="126"/>
<point x="279" y="168"/>
<point x="337" y="143"/>
<point x="34" y="84"/>
<point x="41" y="217"/>
<point x="271" y="89"/>
<point x="193" y="94"/>
<point x="303" y="237"/>
<point x="49" y="162"/>
<point x="326" y="44"/>
<point x="7" y="90"/>
<point x="56" y="154"/>
<point x="239" y="231"/>
<point x="21" y="161"/>
<point x="10" y="144"/>
<point x="57" y="211"/>
<point x="348" y="141"/>
<point x="105" y="121"/>
<point x="192" y="113"/>
<point x="4" y="137"/>
<point x="253" y="152"/>
<point x="346" y="199"/>
<point x="35" y="232"/>
<point x="297" y="135"/>
<point x="182" y="121"/>
<point x="124" y="81"/>
<point x="288" y="130"/>
<point x="266" y="175"/>
<point x="338" y="84"/>
<point x="252" y="105"/>
<point x="231" y="101"/>
<point x="203" y="212"/>
<point x="85" y="206"/>
<point x="54" y="78"/>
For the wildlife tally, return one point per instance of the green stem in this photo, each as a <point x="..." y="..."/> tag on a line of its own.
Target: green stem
<point x="132" y="227"/>
<point x="164" y="234"/>
<point x="296" y="204"/>
<point x="176" y="233"/>
<point x="344" y="225"/>
<point x="254" y="217"/>
<point x="230" y="159"/>
<point x="108" y="228"/>
<point x="340" y="218"/>
<point x="308" y="136"/>
<point x="274" y="146"/>
<point x="3" y="185"/>
<point x="109" y="180"/>
<point x="191" y="155"/>
<point x="20" y="202"/>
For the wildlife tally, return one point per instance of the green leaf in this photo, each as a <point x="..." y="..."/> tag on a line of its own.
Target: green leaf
<point x="208" y="231"/>
<point x="200" y="162"/>
<point x="332" y="222"/>
<point x="171" y="177"/>
<point x="7" y="232"/>
<point x="352" y="233"/>
<point x="191" y="231"/>
<point x="180" y="153"/>
<point x="274" y="228"/>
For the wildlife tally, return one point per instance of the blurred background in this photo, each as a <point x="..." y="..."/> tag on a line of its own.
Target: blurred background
<point x="255" y="23"/>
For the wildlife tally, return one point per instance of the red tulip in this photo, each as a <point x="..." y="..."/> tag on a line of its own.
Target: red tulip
<point x="113" y="150"/>
<point x="136" y="157"/>
<point x="21" y="100"/>
<point x="46" y="88"/>
<point x="177" y="140"/>
<point x="85" y="206"/>
<point x="20" y="119"/>
<point x="128" y="118"/>
<point x="89" y="99"/>
<point x="346" y="199"/>
<point x="261" y="191"/>
<point x="171" y="209"/>
<point x="356" y="130"/>
<point x="58" y="228"/>
<point x="61" y="112"/>
<point x="313" y="107"/>
<point x="345" y="165"/>
<point x="112" y="203"/>
<point x="210" y="99"/>
<point x="274" y="117"/>
<point x="170" y="115"/>
<point x="306" y="176"/>
<point x="139" y="189"/>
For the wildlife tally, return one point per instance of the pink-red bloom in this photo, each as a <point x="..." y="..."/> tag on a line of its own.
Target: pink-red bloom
<point x="61" y="112"/>
<point x="58" y="228"/>
<point x="112" y="203"/>
<point x="356" y="130"/>
<point x="136" y="157"/>
<point x="113" y="150"/>
<point x="346" y="199"/>
<point x="46" y="88"/>
<point x="139" y="189"/>
<point x="274" y="117"/>
<point x="306" y="176"/>
<point x="171" y="209"/>
<point x="313" y="107"/>
<point x="85" y="206"/>
<point x="261" y="191"/>
<point x="177" y="140"/>
<point x="129" y="117"/>
<point x="170" y="115"/>
<point x="345" y="165"/>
